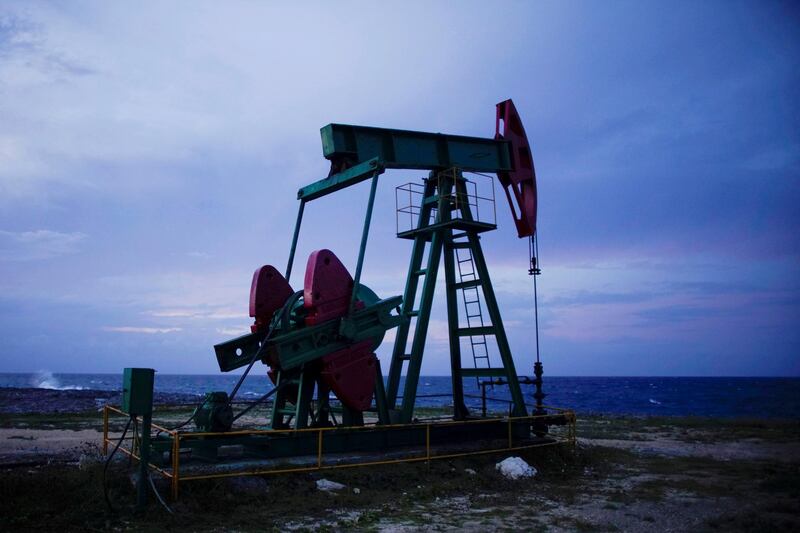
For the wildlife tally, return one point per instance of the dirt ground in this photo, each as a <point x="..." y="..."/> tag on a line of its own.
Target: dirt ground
<point x="625" y="474"/>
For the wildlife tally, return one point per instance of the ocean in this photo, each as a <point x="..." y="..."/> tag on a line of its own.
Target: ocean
<point x="651" y="396"/>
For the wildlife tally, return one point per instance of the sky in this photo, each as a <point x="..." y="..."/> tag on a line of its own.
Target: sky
<point x="150" y="158"/>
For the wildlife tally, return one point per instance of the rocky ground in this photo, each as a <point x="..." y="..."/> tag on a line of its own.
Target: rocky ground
<point x="624" y="474"/>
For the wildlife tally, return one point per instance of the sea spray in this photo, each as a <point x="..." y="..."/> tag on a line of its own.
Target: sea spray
<point x="44" y="379"/>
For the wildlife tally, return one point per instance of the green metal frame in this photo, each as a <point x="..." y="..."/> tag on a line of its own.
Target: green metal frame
<point x="415" y="149"/>
<point x="437" y="235"/>
<point x="361" y="153"/>
<point x="308" y="344"/>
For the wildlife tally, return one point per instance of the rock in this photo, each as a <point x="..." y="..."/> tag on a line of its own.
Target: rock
<point x="328" y="485"/>
<point x="470" y="471"/>
<point x="515" y="468"/>
<point x="356" y="491"/>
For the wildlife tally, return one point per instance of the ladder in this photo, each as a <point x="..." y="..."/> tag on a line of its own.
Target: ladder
<point x="473" y="309"/>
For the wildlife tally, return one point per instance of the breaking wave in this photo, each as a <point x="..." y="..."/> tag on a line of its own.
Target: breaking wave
<point x="46" y="380"/>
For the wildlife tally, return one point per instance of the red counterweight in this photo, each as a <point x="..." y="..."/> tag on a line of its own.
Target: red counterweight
<point x="519" y="184"/>
<point x="327" y="288"/>
<point x="350" y="373"/>
<point x="268" y="292"/>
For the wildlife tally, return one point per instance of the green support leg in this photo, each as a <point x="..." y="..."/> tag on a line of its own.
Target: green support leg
<point x="282" y="398"/>
<point x="351" y="417"/>
<point x="440" y="194"/>
<point x="460" y="410"/>
<point x="421" y="331"/>
<point x="399" y="354"/>
<point x="323" y="418"/>
<point x="305" y="393"/>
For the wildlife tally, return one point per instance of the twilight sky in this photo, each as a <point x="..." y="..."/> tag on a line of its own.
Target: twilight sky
<point x="150" y="157"/>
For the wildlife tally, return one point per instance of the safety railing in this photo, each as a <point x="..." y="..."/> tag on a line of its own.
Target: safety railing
<point x="426" y="454"/>
<point x="478" y="199"/>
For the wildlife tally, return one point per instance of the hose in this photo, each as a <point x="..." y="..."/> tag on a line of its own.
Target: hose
<point x="108" y="461"/>
<point x="158" y="495"/>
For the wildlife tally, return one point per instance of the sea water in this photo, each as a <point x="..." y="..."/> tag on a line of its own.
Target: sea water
<point x="756" y="397"/>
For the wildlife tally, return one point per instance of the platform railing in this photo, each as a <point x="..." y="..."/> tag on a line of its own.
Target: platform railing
<point x="427" y="454"/>
<point x="478" y="199"/>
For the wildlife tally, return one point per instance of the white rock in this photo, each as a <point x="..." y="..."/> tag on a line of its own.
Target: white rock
<point x="356" y="491"/>
<point x="470" y="471"/>
<point x="328" y="485"/>
<point x="515" y="468"/>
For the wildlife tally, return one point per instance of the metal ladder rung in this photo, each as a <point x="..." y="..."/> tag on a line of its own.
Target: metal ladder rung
<point x="414" y="312"/>
<point x="469" y="281"/>
<point x="405" y="357"/>
<point x="472" y="332"/>
<point x="484" y="372"/>
<point x="469" y="284"/>
<point x="420" y="272"/>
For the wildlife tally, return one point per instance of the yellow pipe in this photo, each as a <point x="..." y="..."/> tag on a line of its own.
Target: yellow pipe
<point x="151" y="465"/>
<point x="176" y="456"/>
<point x="319" y="449"/>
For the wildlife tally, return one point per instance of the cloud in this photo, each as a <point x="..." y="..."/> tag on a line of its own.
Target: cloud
<point x="38" y="244"/>
<point x="195" y="314"/>
<point x="136" y="329"/>
<point x="232" y="332"/>
<point x="163" y="135"/>
<point x="88" y="87"/>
